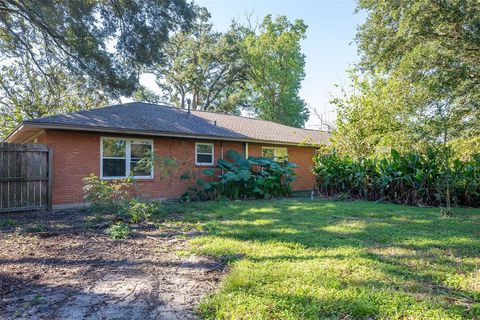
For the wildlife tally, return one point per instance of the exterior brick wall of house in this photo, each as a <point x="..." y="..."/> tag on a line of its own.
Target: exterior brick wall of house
<point x="302" y="156"/>
<point x="77" y="154"/>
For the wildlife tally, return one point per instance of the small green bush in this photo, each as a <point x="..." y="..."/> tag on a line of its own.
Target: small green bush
<point x="105" y="196"/>
<point x="112" y="197"/>
<point x="39" y="227"/>
<point x="119" y="230"/>
<point x="137" y="211"/>
<point x="9" y="223"/>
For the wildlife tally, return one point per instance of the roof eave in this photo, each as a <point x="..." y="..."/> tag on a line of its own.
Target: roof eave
<point x="10" y="136"/>
<point x="151" y="133"/>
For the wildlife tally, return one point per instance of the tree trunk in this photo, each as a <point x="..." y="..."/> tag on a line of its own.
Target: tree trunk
<point x="182" y="94"/>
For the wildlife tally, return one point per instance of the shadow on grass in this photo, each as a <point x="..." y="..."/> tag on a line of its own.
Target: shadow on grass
<point x="408" y="244"/>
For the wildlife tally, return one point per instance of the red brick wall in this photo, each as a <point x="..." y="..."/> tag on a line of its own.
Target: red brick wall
<point x="77" y="154"/>
<point x="302" y="156"/>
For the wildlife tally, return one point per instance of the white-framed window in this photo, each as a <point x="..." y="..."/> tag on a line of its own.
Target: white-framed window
<point x="119" y="158"/>
<point x="204" y="154"/>
<point x="275" y="153"/>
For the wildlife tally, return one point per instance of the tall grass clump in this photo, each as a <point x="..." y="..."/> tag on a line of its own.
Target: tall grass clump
<point x="431" y="179"/>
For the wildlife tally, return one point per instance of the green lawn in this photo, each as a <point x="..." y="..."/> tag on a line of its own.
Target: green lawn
<point x="301" y="259"/>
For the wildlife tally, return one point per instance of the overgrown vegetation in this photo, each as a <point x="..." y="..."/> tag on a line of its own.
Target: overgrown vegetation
<point x="412" y="178"/>
<point x="113" y="198"/>
<point x="137" y="211"/>
<point x="416" y="85"/>
<point x="106" y="196"/>
<point x="240" y="178"/>
<point x="292" y="259"/>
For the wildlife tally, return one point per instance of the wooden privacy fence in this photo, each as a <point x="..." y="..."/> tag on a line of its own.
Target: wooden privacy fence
<point x="25" y="177"/>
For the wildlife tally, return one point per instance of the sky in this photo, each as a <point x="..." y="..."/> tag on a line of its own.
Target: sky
<point x="329" y="45"/>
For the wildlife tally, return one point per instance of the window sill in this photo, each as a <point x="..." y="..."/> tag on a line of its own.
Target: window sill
<point x="144" y="179"/>
<point x="133" y="178"/>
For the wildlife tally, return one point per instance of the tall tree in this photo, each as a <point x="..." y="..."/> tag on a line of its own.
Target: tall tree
<point x="107" y="40"/>
<point x="24" y="94"/>
<point x="371" y="119"/>
<point x="421" y="61"/>
<point x="144" y="94"/>
<point x="276" y="68"/>
<point x="205" y="65"/>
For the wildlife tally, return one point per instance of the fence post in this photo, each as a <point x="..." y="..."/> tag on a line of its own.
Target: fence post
<point x="50" y="178"/>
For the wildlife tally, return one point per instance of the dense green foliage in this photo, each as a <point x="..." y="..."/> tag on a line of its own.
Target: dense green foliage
<point x="107" y="41"/>
<point x="432" y="45"/>
<point x="243" y="178"/>
<point x="25" y="94"/>
<point x="302" y="259"/>
<point x="276" y="70"/>
<point x="105" y="196"/>
<point x="417" y="82"/>
<point x="413" y="178"/>
<point x="243" y="68"/>
<point x="64" y="56"/>
<point x="118" y="231"/>
<point x="114" y="198"/>
<point x="204" y="65"/>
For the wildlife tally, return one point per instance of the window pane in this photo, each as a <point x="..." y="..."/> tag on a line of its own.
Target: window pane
<point x="281" y="154"/>
<point x="204" y="148"/>
<point x="114" y="168"/>
<point x="267" y="153"/>
<point x="140" y="150"/>
<point x="204" y="158"/>
<point x="114" y="148"/>
<point x="144" y="169"/>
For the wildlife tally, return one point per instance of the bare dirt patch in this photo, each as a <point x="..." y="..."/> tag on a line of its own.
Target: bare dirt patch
<point x="62" y="266"/>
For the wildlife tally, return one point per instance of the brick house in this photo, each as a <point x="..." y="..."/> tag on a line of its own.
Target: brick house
<point x="109" y="141"/>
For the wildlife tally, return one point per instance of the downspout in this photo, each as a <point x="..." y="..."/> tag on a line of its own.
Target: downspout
<point x="221" y="151"/>
<point x="246" y="150"/>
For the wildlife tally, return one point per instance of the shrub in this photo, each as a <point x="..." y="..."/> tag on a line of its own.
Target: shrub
<point x="414" y="178"/>
<point x="39" y="227"/>
<point x="137" y="211"/>
<point x="245" y="178"/>
<point x="105" y="196"/>
<point x="111" y="197"/>
<point x="9" y="223"/>
<point x="118" y="230"/>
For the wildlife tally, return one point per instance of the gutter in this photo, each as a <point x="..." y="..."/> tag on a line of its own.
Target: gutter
<point x="27" y="124"/>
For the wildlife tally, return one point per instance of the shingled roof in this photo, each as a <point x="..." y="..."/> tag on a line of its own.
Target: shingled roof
<point x="145" y="118"/>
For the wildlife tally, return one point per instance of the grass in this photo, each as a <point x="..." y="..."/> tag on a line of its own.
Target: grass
<point x="294" y="259"/>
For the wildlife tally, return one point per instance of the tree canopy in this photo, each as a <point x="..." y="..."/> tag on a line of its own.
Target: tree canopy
<point x="276" y="68"/>
<point x="64" y="56"/>
<point x="205" y="65"/>
<point x="418" y="81"/>
<point x="258" y="69"/>
<point x="25" y="94"/>
<point x="108" y="41"/>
